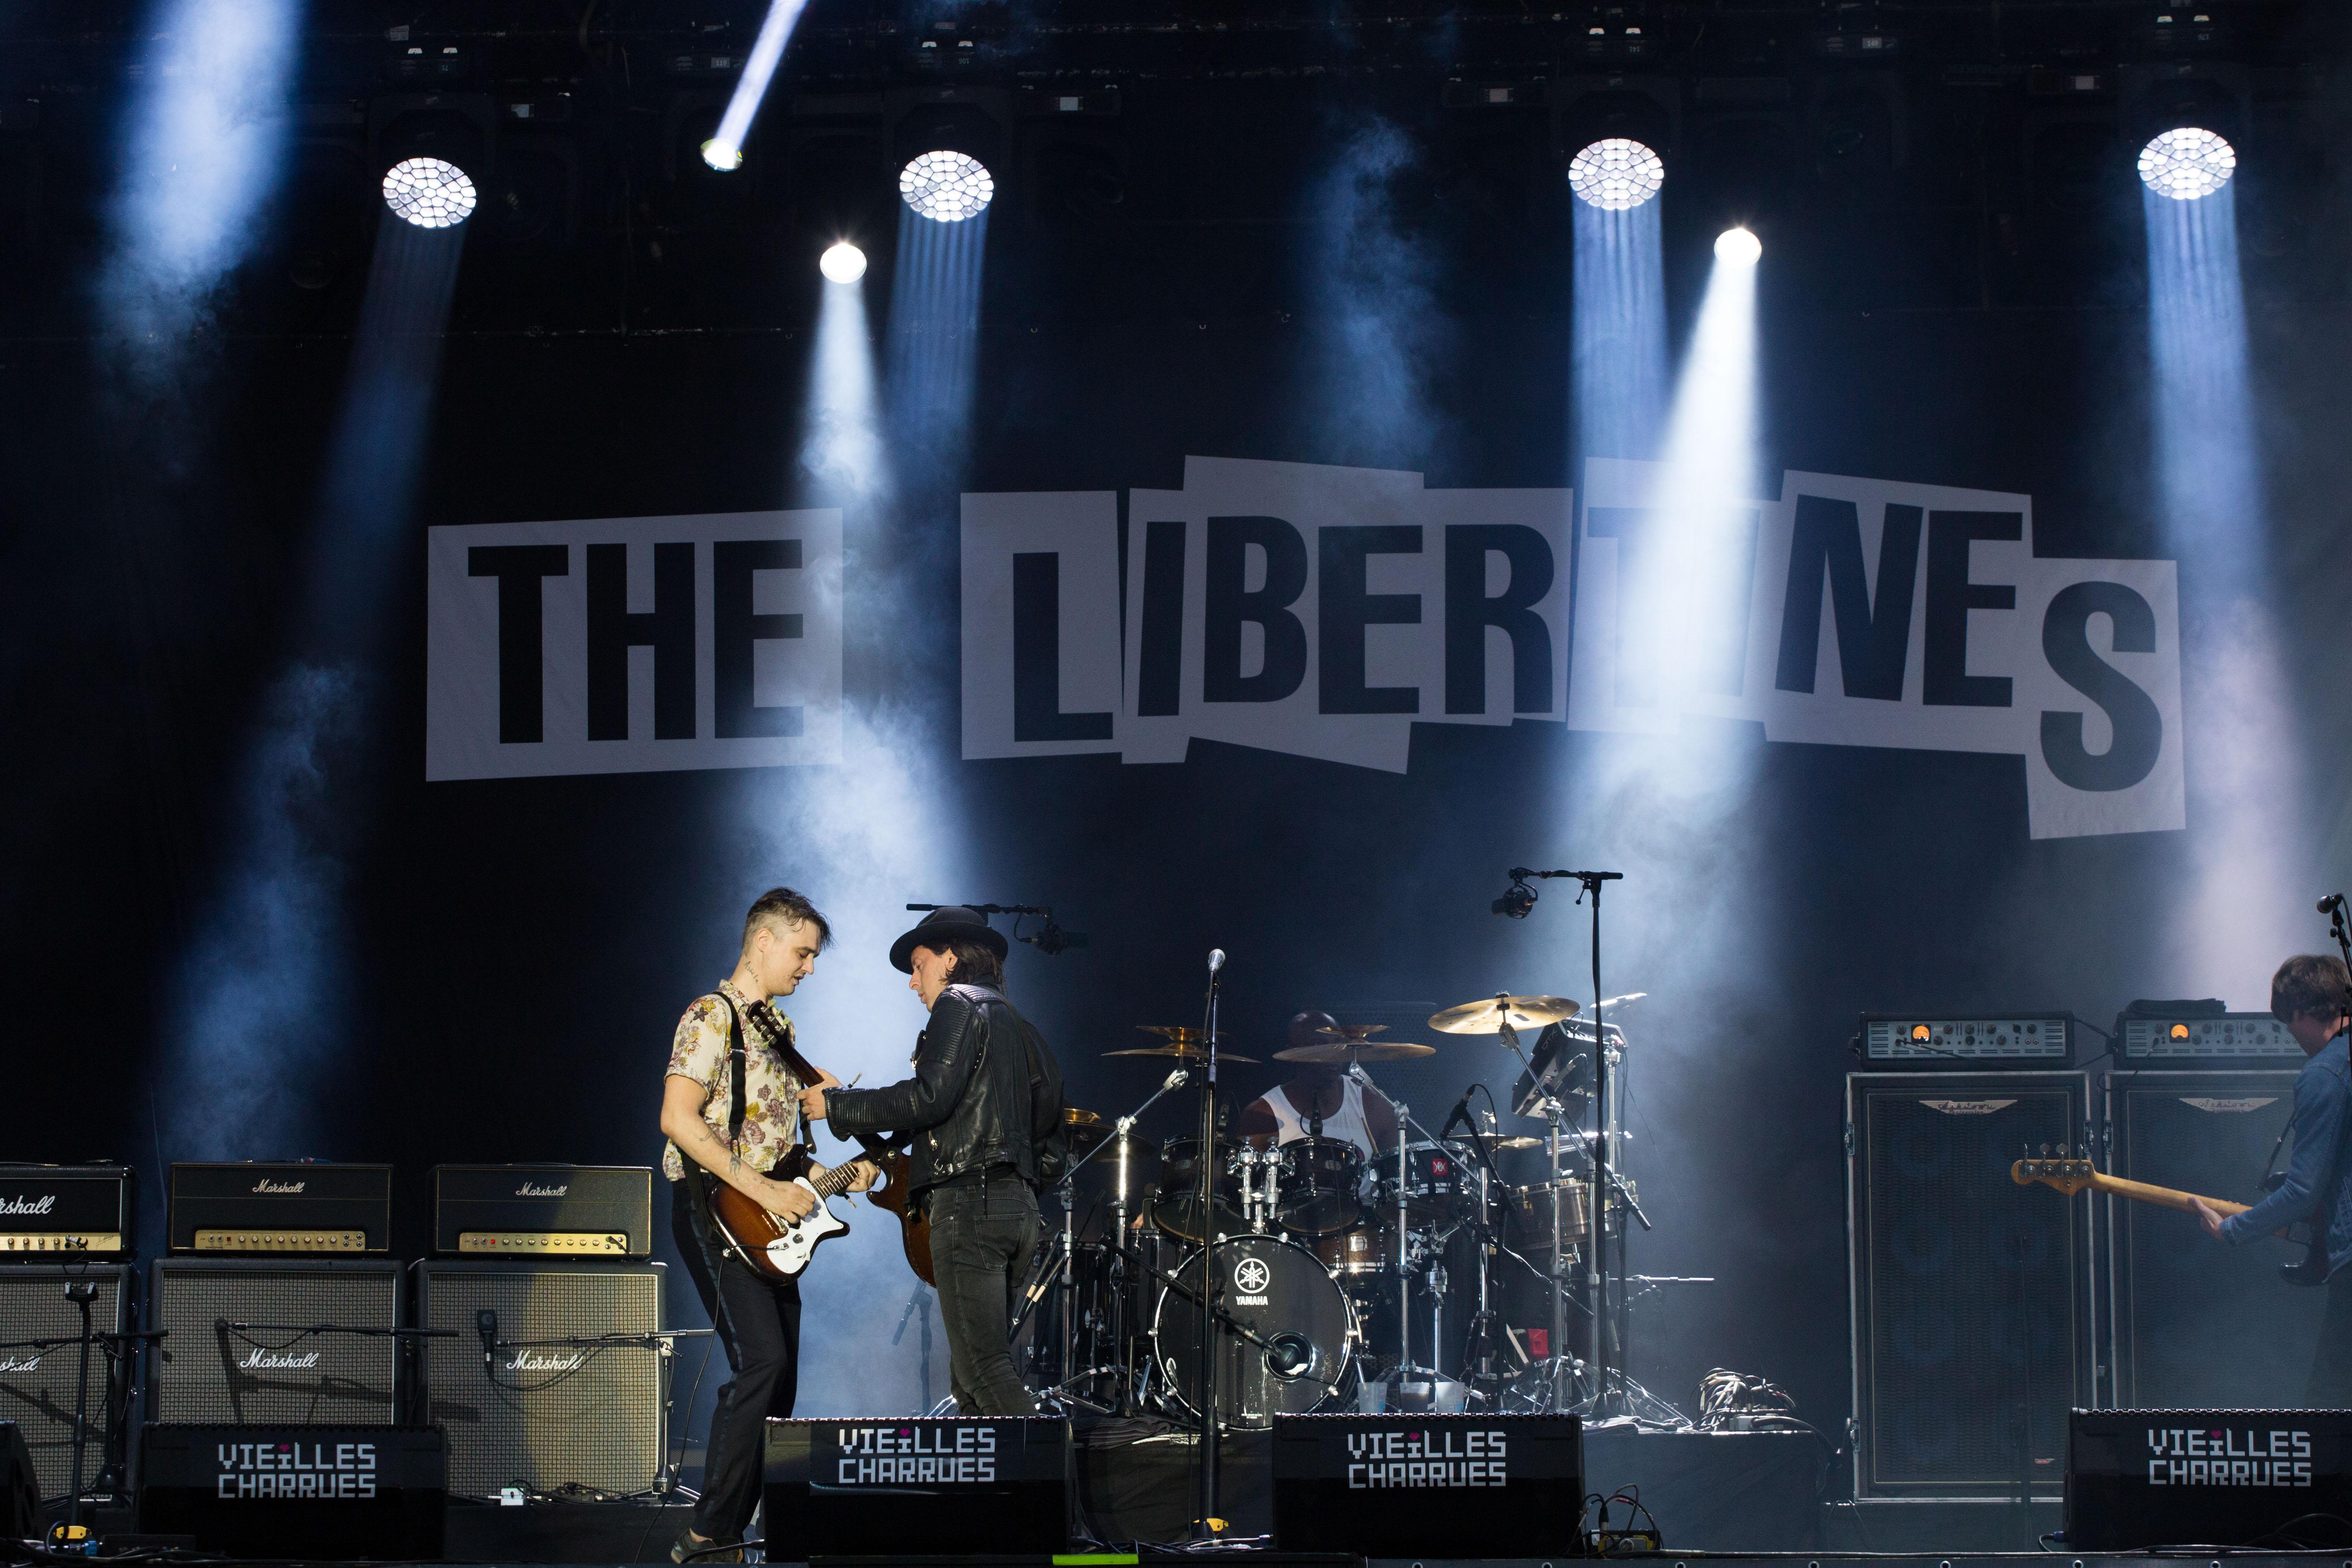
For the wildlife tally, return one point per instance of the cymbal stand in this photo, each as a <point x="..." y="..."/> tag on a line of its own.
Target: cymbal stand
<point x="1205" y="1527"/>
<point x="1406" y="1369"/>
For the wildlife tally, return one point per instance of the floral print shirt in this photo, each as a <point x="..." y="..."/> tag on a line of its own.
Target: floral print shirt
<point x="771" y="1105"/>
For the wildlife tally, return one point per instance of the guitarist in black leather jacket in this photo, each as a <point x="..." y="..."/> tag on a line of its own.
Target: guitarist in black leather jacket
<point x="984" y="1112"/>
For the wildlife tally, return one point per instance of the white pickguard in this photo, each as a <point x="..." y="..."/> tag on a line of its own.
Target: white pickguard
<point x="790" y="1252"/>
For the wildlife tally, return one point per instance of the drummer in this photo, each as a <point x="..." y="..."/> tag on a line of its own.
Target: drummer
<point x="1318" y="1102"/>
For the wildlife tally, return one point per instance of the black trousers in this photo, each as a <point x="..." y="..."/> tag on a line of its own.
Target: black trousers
<point x="759" y="1324"/>
<point x="2330" y="1385"/>
<point x="983" y="1239"/>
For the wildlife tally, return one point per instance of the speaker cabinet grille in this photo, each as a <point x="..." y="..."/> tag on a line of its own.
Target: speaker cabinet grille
<point x="36" y="1384"/>
<point x="202" y="1372"/>
<point x="545" y="1415"/>
<point x="2200" y="1326"/>
<point x="1972" y="1306"/>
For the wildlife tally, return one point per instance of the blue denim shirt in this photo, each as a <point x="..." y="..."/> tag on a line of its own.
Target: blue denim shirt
<point x="2323" y="1095"/>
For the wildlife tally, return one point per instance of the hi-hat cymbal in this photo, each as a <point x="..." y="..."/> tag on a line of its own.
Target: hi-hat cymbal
<point x="1339" y="1053"/>
<point x="1355" y="1033"/>
<point x="1489" y="1016"/>
<point x="1190" y="1053"/>
<point x="1177" y="1032"/>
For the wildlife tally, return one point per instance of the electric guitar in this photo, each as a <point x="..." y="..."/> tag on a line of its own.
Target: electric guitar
<point x="2071" y="1177"/>
<point x="776" y="1246"/>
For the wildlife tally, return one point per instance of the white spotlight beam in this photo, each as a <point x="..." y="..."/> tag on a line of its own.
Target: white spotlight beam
<point x="725" y="150"/>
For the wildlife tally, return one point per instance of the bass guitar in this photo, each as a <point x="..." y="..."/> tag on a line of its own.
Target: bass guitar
<point x="2071" y="1177"/>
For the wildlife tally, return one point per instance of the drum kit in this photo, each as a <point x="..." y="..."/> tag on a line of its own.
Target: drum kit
<point x="1324" y="1264"/>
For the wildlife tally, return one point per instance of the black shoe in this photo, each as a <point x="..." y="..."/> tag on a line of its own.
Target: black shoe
<point x="711" y="1550"/>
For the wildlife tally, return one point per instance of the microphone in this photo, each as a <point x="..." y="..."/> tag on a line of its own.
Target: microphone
<point x="485" y="1323"/>
<point x="1460" y="1117"/>
<point x="1518" y="902"/>
<point x="1216" y="959"/>
<point x="2331" y="903"/>
<point x="1175" y="1080"/>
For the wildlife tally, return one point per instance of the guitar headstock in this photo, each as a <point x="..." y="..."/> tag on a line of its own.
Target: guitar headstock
<point x="2069" y="1176"/>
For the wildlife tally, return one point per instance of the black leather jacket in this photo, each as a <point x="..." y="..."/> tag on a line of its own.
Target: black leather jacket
<point x="986" y="1091"/>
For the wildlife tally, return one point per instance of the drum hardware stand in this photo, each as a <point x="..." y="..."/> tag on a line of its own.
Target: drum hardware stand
<point x="1405" y="1371"/>
<point x="1206" y="1527"/>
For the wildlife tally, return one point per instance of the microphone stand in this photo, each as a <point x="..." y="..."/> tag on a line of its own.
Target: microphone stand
<point x="1597" y="1256"/>
<point x="1204" y="1194"/>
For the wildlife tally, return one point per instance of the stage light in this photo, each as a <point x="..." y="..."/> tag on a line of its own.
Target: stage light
<point x="428" y="192"/>
<point x="2185" y="163"/>
<point x="1738" y="247"/>
<point x="1615" y="173"/>
<point x="946" y="187"/>
<point x="723" y="156"/>
<point x="842" y="263"/>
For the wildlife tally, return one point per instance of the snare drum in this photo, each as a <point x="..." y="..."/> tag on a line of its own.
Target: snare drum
<point x="1441" y="1184"/>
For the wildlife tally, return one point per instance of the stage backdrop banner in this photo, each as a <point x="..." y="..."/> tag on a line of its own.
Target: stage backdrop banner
<point x="1319" y="610"/>
<point x="1871" y="613"/>
<point x="631" y="644"/>
<point x="1325" y="611"/>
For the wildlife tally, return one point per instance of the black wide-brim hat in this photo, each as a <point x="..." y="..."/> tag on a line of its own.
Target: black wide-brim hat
<point x="942" y="926"/>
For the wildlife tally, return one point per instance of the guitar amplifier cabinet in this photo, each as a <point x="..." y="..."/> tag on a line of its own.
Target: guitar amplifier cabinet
<point x="508" y="1211"/>
<point x="330" y="1492"/>
<point x="574" y="1389"/>
<point x="1973" y="1297"/>
<point x="37" y="1381"/>
<point x="2207" y="1479"/>
<point x="283" y="1208"/>
<point x="2197" y="1324"/>
<point x="293" y="1360"/>
<point x="922" y="1485"/>
<point x="1413" y="1485"/>
<point x="79" y="1211"/>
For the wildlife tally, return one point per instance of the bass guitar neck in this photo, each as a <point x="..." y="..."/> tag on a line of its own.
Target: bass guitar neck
<point x="2071" y="1177"/>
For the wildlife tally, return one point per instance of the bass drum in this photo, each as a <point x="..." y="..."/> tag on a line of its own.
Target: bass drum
<point x="1281" y="1295"/>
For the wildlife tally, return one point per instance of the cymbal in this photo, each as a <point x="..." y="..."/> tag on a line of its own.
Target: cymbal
<point x="1354" y="1034"/>
<point x="1506" y="1140"/>
<point x="1176" y="1031"/>
<point x="1489" y="1016"/>
<point x="1190" y="1053"/>
<point x="1085" y="1128"/>
<point x="1338" y="1053"/>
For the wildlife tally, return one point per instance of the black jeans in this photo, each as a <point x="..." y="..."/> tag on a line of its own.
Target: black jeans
<point x="2330" y="1385"/>
<point x="983" y="1239"/>
<point x="759" y="1324"/>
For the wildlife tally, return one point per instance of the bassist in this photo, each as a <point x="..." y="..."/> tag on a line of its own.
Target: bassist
<point x="739" y="1130"/>
<point x="2312" y="995"/>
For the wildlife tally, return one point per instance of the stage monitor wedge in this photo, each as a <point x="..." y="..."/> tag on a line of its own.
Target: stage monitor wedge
<point x="1973" y="1297"/>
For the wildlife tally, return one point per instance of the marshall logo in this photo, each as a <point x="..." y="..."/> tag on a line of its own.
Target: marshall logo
<point x="533" y="1190"/>
<point x="19" y="1363"/>
<point x="2274" y="1456"/>
<point x="42" y="1204"/>
<point x="2228" y="1106"/>
<point x="267" y="1185"/>
<point x="1968" y="1107"/>
<point x="528" y="1360"/>
<point x="260" y="1360"/>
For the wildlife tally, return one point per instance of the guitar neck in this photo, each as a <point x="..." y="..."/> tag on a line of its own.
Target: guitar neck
<point x="2169" y="1197"/>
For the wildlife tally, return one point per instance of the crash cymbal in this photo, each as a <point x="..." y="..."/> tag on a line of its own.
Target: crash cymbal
<point x="1176" y="1031"/>
<point x="1355" y="1033"/>
<point x="1489" y="1016"/>
<point x="1339" y="1054"/>
<point x="1506" y="1140"/>
<point x="1086" y="1129"/>
<point x="1183" y="1052"/>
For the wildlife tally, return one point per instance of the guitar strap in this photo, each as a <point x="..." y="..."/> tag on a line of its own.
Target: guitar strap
<point x="699" y="1189"/>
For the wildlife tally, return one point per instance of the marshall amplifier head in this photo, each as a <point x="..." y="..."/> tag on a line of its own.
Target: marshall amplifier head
<point x="300" y="1208"/>
<point x="1428" y="1486"/>
<point x="66" y="1211"/>
<point x="577" y="1211"/>
<point x="2138" y="1479"/>
<point x="332" y="1492"/>
<point x="917" y="1485"/>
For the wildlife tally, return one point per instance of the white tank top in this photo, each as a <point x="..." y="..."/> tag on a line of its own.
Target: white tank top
<point x="1347" y="1124"/>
